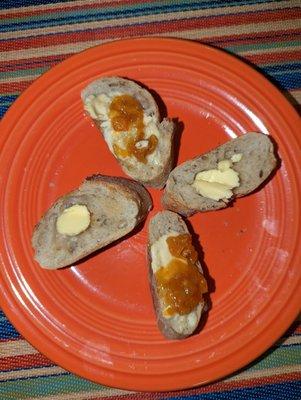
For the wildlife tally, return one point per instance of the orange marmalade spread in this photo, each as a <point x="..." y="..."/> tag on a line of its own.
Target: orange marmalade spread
<point x="126" y="114"/>
<point x="180" y="283"/>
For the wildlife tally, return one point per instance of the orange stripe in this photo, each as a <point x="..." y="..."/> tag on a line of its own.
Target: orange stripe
<point x="14" y="86"/>
<point x="27" y="361"/>
<point x="149" y="29"/>
<point x="266" y="58"/>
<point x="260" y="37"/>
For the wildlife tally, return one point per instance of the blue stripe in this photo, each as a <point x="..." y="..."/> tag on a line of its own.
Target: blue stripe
<point x="7" y="331"/>
<point x="36" y="376"/>
<point x="5" y="102"/>
<point x="119" y="12"/>
<point x="284" y="66"/>
<point x="7" y="99"/>
<point x="7" y="4"/>
<point x="3" y="109"/>
<point x="289" y="390"/>
<point x="287" y="81"/>
<point x="277" y="346"/>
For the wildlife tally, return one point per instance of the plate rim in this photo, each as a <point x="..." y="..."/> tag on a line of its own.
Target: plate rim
<point x="5" y="301"/>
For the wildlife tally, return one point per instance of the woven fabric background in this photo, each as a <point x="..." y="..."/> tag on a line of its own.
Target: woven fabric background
<point x="37" y="34"/>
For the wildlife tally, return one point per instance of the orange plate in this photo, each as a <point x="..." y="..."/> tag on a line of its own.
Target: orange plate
<point x="96" y="318"/>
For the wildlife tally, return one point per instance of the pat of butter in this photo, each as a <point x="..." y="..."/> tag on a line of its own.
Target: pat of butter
<point x="90" y="109"/>
<point x="73" y="220"/>
<point x="224" y="165"/>
<point x="151" y="129"/>
<point x="236" y="157"/>
<point x="100" y="104"/>
<point x="142" y="144"/>
<point x="212" y="190"/>
<point x="217" y="184"/>
<point x="97" y="106"/>
<point x="160" y="253"/>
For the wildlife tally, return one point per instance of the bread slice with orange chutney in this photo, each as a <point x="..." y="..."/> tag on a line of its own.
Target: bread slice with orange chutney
<point x="176" y="276"/>
<point x="129" y="120"/>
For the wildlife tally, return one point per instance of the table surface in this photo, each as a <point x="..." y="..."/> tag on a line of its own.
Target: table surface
<point x="37" y="34"/>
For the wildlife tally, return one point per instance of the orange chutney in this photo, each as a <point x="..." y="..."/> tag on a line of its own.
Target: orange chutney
<point x="180" y="283"/>
<point x="126" y="114"/>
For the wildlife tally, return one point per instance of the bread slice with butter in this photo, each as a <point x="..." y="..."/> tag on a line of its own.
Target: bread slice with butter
<point x="102" y="210"/>
<point x="211" y="181"/>
<point x="176" y="276"/>
<point x="128" y="117"/>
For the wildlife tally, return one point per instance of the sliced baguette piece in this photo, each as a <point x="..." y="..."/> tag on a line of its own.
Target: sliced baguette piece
<point x="116" y="206"/>
<point x="177" y="326"/>
<point x="159" y="163"/>
<point x="257" y="162"/>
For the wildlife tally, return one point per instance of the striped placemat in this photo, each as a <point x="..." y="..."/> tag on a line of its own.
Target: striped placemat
<point x="37" y="34"/>
<point x="27" y="374"/>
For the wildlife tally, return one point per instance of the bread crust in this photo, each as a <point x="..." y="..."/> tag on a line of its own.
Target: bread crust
<point x="132" y="192"/>
<point x="257" y="163"/>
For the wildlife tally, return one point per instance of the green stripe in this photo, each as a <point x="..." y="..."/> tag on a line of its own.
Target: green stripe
<point x="23" y="72"/>
<point x="263" y="46"/>
<point x="278" y="357"/>
<point x="280" y="63"/>
<point x="46" y="386"/>
<point x="9" y="94"/>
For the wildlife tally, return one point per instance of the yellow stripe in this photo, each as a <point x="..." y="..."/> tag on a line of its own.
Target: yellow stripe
<point x="271" y="50"/>
<point x="296" y="95"/>
<point x="86" y="395"/>
<point x="190" y="34"/>
<point x="264" y="373"/>
<point x="16" y="348"/>
<point x="289" y="341"/>
<point x="142" y="19"/>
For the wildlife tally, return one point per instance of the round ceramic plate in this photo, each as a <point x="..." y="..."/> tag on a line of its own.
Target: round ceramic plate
<point x="96" y="318"/>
